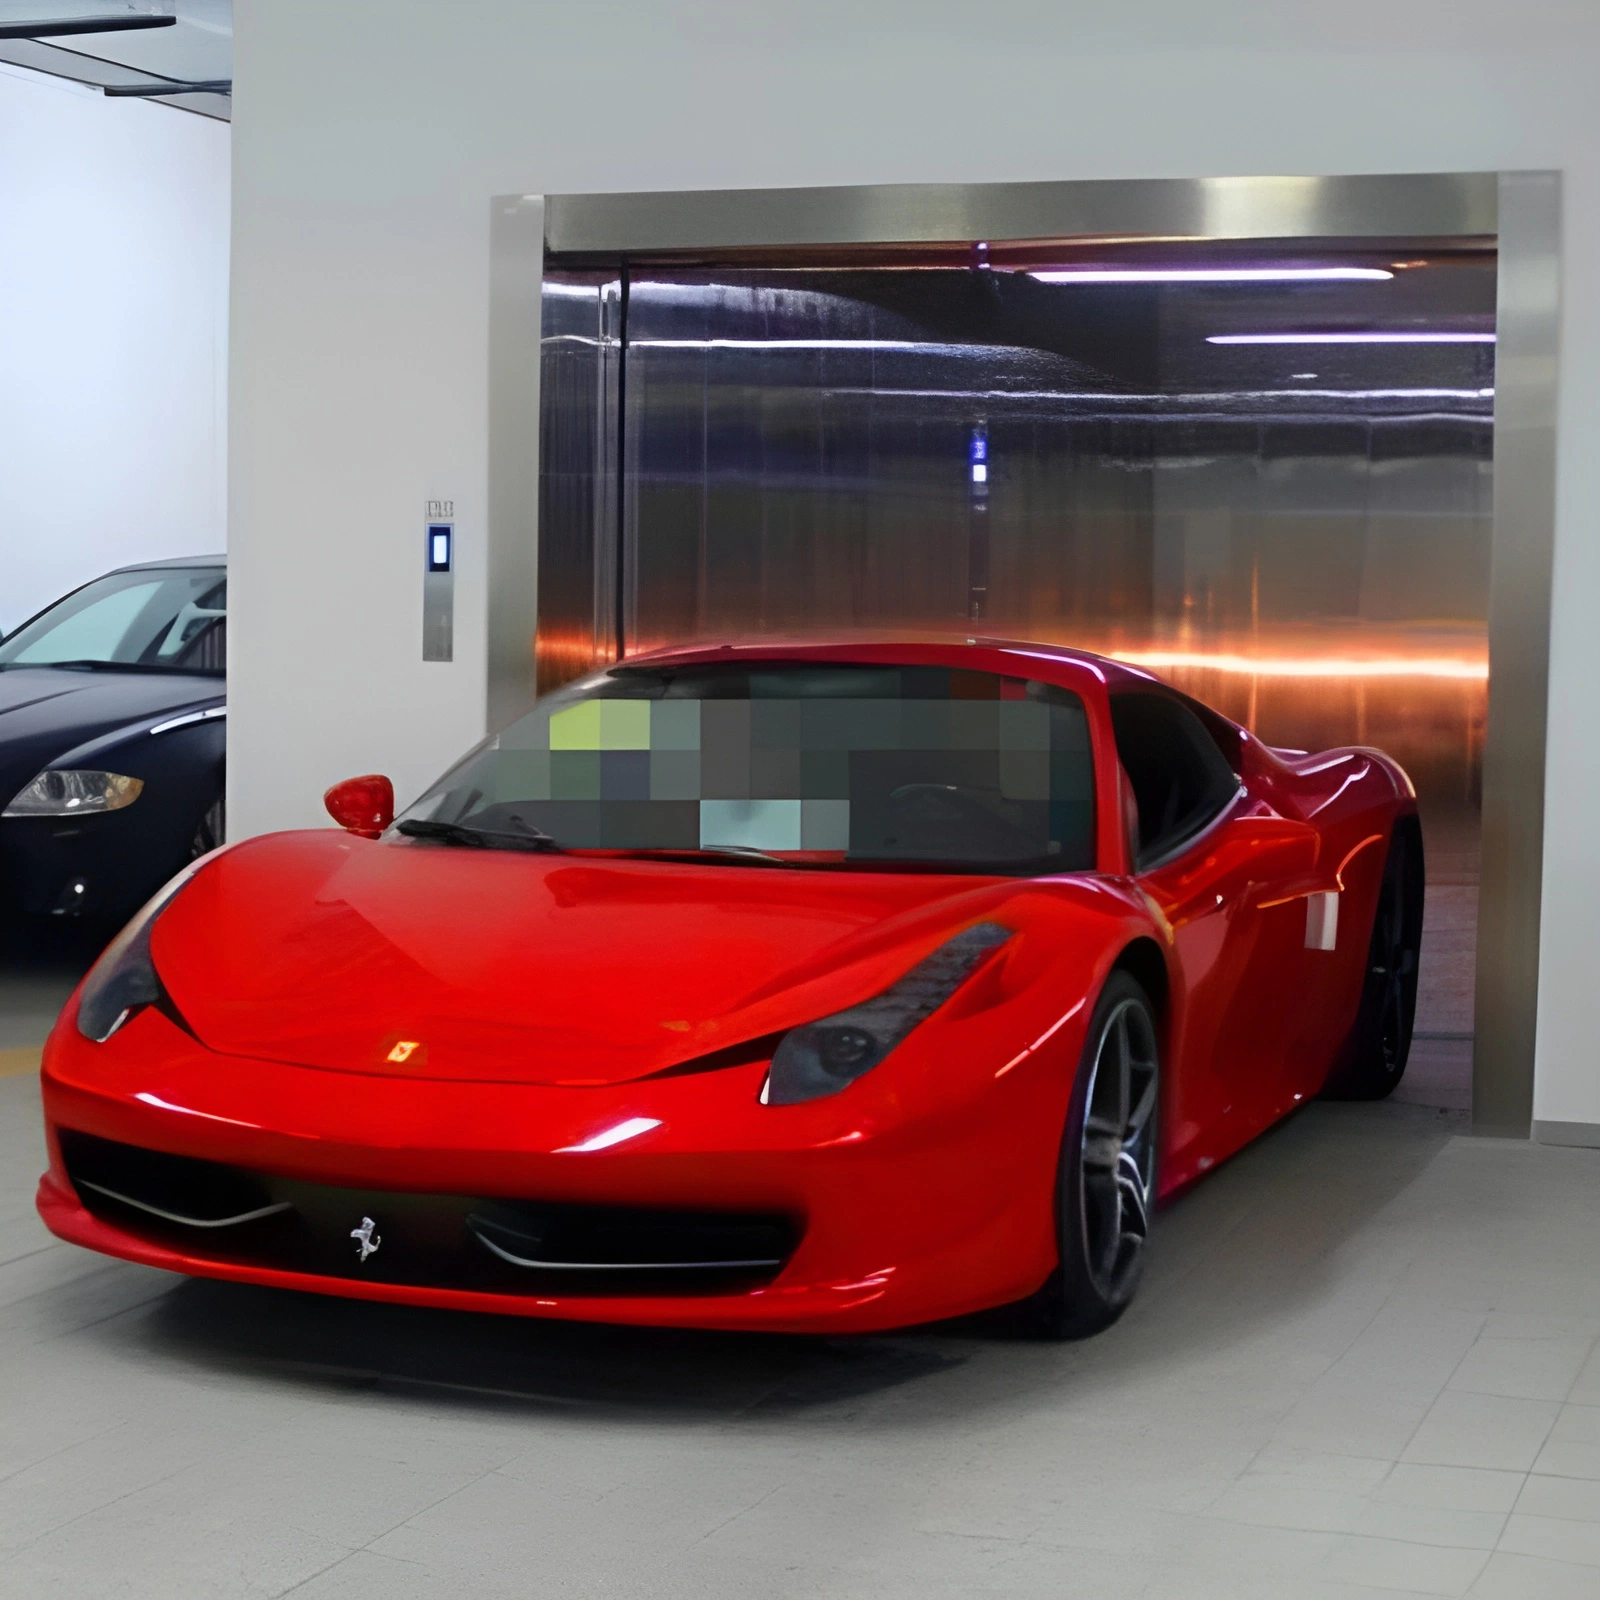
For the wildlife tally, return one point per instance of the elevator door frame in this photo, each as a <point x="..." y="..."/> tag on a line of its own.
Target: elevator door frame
<point x="1521" y="210"/>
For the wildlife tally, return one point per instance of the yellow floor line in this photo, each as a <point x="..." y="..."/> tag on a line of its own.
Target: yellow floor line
<point x="15" y="1062"/>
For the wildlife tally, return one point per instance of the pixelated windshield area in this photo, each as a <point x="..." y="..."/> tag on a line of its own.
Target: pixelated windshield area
<point x="822" y="765"/>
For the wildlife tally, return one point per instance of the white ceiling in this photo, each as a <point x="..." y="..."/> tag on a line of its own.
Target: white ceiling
<point x="198" y="47"/>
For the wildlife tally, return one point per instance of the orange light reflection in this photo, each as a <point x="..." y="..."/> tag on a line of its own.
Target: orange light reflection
<point x="1451" y="667"/>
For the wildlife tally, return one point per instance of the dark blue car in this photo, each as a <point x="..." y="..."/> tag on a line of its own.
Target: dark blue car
<point x="112" y="739"/>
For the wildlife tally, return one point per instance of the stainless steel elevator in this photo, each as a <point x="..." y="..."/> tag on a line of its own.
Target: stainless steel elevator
<point x="1263" y="469"/>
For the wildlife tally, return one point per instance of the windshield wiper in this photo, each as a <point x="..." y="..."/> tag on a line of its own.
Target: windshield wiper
<point x="479" y="838"/>
<point x="748" y="852"/>
<point x="87" y="665"/>
<point x="735" y="852"/>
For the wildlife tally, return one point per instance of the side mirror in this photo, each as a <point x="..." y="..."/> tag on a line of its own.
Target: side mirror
<point x="364" y="806"/>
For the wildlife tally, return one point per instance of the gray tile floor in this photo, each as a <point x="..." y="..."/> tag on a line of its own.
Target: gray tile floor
<point x="40" y="963"/>
<point x="1364" y="1363"/>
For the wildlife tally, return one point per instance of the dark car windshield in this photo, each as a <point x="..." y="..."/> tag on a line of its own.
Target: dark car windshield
<point x="168" y="618"/>
<point x="816" y="765"/>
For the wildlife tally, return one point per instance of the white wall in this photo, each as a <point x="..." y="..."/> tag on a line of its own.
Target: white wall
<point x="371" y="133"/>
<point x="113" y="336"/>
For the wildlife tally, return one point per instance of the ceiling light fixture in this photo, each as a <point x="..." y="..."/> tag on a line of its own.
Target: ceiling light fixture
<point x="1212" y="275"/>
<point x="792" y="344"/>
<point x="1349" y="338"/>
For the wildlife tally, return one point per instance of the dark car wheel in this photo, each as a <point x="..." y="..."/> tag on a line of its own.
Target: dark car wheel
<point x="1106" y="1176"/>
<point x="209" y="833"/>
<point x="1374" y="1056"/>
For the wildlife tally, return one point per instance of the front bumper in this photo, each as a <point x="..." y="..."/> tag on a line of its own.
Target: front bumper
<point x="908" y="1204"/>
<point x="103" y="865"/>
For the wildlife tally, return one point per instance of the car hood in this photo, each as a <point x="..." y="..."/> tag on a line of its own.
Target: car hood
<point x="416" y="959"/>
<point x="47" y="711"/>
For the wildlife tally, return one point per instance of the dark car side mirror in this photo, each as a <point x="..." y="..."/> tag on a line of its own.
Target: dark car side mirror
<point x="364" y="805"/>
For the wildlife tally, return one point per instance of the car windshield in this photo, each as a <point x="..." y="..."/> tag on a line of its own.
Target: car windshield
<point x="795" y="763"/>
<point x="170" y="618"/>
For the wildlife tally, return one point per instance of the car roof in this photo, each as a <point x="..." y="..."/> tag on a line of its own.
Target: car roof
<point x="170" y="562"/>
<point x="945" y="650"/>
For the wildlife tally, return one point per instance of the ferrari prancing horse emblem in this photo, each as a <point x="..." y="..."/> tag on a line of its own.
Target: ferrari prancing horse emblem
<point x="368" y="1240"/>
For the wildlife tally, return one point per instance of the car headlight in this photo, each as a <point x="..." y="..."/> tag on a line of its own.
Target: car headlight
<point x="821" y="1058"/>
<point x="124" y="980"/>
<point x="66" y="792"/>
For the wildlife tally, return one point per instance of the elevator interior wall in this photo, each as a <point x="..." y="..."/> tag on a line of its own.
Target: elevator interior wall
<point x="1262" y="471"/>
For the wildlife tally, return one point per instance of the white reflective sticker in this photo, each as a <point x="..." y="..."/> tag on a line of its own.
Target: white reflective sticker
<point x="1322" y="921"/>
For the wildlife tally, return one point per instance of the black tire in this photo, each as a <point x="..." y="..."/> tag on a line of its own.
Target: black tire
<point x="1106" y="1175"/>
<point x="210" y="830"/>
<point x="1373" y="1059"/>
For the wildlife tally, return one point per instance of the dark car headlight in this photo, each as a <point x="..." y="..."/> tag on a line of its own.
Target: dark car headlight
<point x="821" y="1058"/>
<point x="70" y="792"/>
<point x="124" y="980"/>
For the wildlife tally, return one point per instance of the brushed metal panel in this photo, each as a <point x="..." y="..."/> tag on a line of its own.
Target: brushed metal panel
<point x="1528" y="324"/>
<point x="438" y="616"/>
<point x="516" y="266"/>
<point x="581" y="366"/>
<point x="1407" y="205"/>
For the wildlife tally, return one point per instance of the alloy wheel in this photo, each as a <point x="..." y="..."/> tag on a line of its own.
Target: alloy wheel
<point x="1117" y="1169"/>
<point x="1392" y="964"/>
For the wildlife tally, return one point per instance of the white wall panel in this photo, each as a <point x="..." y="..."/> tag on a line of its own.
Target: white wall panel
<point x="113" y="336"/>
<point x="370" y="136"/>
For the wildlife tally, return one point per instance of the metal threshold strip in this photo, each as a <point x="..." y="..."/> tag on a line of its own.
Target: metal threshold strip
<point x="616" y="1266"/>
<point x="177" y="1216"/>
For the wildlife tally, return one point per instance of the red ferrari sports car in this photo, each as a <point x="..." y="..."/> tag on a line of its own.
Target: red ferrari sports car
<point x="810" y="987"/>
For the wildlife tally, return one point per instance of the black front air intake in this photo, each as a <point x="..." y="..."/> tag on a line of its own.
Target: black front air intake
<point x="501" y="1246"/>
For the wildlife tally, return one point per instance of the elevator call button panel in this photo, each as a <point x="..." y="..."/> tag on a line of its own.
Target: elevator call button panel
<point x="439" y="581"/>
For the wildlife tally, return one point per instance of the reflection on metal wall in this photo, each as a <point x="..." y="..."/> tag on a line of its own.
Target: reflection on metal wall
<point x="578" y="435"/>
<point x="1156" y="466"/>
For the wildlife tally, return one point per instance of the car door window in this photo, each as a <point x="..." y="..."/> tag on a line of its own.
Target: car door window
<point x="195" y="636"/>
<point x="1181" y="779"/>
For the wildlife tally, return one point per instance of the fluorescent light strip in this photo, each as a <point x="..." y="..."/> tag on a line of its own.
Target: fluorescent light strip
<point x="795" y="344"/>
<point x="974" y="351"/>
<point x="1213" y="275"/>
<point x="1201" y="397"/>
<point x="1350" y="338"/>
